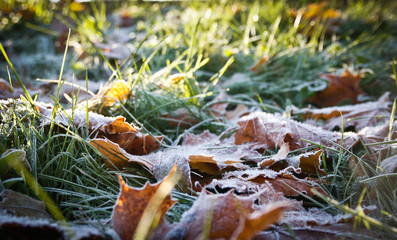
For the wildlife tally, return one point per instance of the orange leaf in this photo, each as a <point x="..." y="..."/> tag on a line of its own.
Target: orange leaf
<point x="117" y="156"/>
<point x="132" y="203"/>
<point x="340" y="88"/>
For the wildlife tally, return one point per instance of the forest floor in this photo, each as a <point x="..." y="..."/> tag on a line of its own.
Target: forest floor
<point x="198" y="120"/>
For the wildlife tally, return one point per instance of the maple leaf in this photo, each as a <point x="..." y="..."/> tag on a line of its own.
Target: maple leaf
<point x="132" y="203"/>
<point x="267" y="131"/>
<point x="340" y="88"/>
<point x="358" y="115"/>
<point x="225" y="216"/>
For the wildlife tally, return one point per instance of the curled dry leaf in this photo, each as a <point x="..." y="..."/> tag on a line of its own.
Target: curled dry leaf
<point x="339" y="88"/>
<point x="268" y="131"/>
<point x="132" y="202"/>
<point x="358" y="116"/>
<point x="225" y="216"/>
<point x="117" y="156"/>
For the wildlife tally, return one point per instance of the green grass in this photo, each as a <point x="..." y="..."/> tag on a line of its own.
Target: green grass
<point x="213" y="45"/>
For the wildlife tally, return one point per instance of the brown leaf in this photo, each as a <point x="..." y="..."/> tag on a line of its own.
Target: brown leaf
<point x="18" y="204"/>
<point x="340" y="88"/>
<point x="225" y="216"/>
<point x="132" y="202"/>
<point x="180" y="118"/>
<point x="267" y="131"/>
<point x="358" y="116"/>
<point x="219" y="108"/>
<point x="211" y="157"/>
<point x="12" y="227"/>
<point x="282" y="181"/>
<point x="117" y="156"/>
<point x="193" y="139"/>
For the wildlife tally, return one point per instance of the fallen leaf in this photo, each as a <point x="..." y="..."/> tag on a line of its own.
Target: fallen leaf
<point x="180" y="118"/>
<point x="358" y="115"/>
<point x="18" y="204"/>
<point x="340" y="88"/>
<point x="225" y="216"/>
<point x="12" y="227"/>
<point x="196" y="139"/>
<point x="117" y="156"/>
<point x="267" y="131"/>
<point x="114" y="129"/>
<point x="389" y="165"/>
<point x="281" y="181"/>
<point x="132" y="203"/>
<point x="117" y="91"/>
<point x="218" y="107"/>
<point x="162" y="169"/>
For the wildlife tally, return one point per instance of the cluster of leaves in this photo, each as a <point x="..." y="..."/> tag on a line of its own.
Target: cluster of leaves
<point x="163" y="117"/>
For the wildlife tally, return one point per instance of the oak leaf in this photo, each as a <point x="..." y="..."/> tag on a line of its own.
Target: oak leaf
<point x="132" y="203"/>
<point x="340" y="88"/>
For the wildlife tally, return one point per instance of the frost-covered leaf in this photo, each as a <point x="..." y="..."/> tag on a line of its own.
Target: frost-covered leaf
<point x="358" y="115"/>
<point x="12" y="227"/>
<point x="10" y="158"/>
<point x="339" y="88"/>
<point x="267" y="131"/>
<point x="218" y="107"/>
<point x="132" y="202"/>
<point x="225" y="216"/>
<point x="18" y="204"/>
<point x="282" y="181"/>
<point x="196" y="139"/>
<point x="162" y="169"/>
<point x="389" y="165"/>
